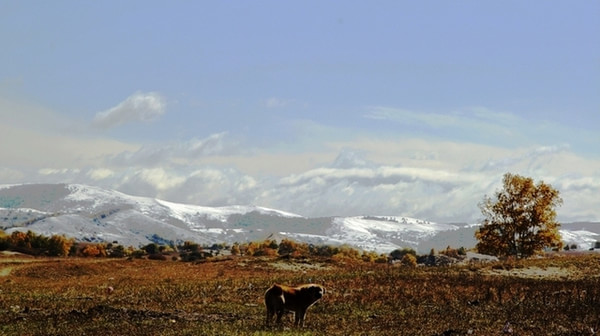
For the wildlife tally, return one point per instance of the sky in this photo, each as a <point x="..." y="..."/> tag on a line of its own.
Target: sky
<point x="319" y="108"/>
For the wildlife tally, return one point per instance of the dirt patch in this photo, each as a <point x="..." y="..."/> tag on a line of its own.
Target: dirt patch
<point x="535" y="272"/>
<point x="5" y="271"/>
<point x="292" y="266"/>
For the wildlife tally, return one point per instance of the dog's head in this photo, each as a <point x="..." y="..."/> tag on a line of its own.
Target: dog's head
<point x="316" y="291"/>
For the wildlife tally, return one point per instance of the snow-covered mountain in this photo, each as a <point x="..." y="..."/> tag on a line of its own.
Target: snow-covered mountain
<point x="93" y="214"/>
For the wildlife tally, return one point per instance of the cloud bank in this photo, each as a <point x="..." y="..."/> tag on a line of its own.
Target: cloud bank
<point x="327" y="171"/>
<point x="352" y="183"/>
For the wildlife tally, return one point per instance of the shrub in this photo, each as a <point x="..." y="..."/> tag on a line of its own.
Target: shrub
<point x="190" y="246"/>
<point x="409" y="260"/>
<point x="117" y="251"/>
<point x="398" y="254"/>
<point x="287" y="247"/>
<point x="94" y="250"/>
<point x="235" y="249"/>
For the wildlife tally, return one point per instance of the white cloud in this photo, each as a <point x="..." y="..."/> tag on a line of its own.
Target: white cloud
<point x="138" y="107"/>
<point x="386" y="190"/>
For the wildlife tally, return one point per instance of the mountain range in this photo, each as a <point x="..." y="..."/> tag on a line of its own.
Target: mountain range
<point x="92" y="214"/>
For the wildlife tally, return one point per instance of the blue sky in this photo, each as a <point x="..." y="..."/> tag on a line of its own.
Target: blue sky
<point x="319" y="108"/>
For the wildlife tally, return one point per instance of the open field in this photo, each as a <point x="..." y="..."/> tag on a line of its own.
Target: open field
<point x="557" y="296"/>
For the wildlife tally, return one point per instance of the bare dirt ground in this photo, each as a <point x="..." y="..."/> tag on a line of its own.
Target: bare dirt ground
<point x="11" y="260"/>
<point x="536" y="272"/>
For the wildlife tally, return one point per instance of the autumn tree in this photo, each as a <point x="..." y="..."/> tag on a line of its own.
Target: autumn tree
<point x="59" y="245"/>
<point x="94" y="250"/>
<point x="520" y="220"/>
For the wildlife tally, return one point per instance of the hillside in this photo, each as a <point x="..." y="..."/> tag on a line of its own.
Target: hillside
<point x="93" y="214"/>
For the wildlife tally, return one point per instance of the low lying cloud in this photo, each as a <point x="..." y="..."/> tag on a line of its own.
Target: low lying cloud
<point x="386" y="190"/>
<point x="139" y="107"/>
<point x="358" y="187"/>
<point x="100" y="174"/>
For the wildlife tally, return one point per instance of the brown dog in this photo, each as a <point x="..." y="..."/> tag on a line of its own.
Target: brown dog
<point x="280" y="298"/>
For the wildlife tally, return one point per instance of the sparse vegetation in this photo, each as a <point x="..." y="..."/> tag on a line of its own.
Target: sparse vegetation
<point x="146" y="297"/>
<point x="218" y="290"/>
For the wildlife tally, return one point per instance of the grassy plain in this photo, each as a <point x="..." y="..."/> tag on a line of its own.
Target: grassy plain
<point x="69" y="296"/>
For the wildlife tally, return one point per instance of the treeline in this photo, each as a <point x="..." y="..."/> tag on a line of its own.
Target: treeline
<point x="34" y="244"/>
<point x="288" y="248"/>
<point x="61" y="246"/>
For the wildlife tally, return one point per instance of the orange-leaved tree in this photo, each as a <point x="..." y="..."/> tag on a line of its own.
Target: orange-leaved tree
<point x="520" y="220"/>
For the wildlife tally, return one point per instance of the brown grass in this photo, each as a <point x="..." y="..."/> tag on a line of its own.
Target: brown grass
<point x="69" y="297"/>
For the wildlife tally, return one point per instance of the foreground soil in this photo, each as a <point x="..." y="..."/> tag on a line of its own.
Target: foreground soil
<point x="552" y="296"/>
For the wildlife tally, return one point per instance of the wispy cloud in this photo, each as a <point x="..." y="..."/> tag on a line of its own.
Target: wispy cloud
<point x="275" y="102"/>
<point x="164" y="154"/>
<point x="412" y="117"/>
<point x="138" y="107"/>
<point x="483" y="125"/>
<point x="474" y="123"/>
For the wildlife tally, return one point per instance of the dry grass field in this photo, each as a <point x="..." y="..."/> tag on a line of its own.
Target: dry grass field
<point x="53" y="296"/>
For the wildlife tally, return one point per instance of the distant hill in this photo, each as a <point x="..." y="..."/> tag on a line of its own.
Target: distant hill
<point x="93" y="214"/>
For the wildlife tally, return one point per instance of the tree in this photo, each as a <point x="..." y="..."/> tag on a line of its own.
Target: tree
<point x="521" y="220"/>
<point x="151" y="248"/>
<point x="59" y="246"/>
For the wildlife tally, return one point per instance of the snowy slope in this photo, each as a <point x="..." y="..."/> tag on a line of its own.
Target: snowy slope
<point x="384" y="233"/>
<point x="93" y="214"/>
